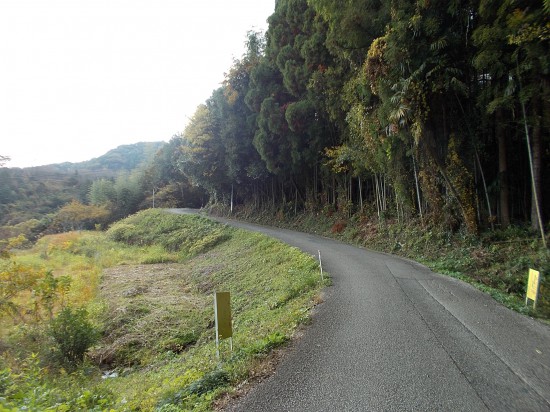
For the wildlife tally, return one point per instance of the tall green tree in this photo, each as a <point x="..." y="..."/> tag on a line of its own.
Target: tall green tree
<point x="408" y="104"/>
<point x="102" y="192"/>
<point x="530" y="27"/>
<point x="162" y="182"/>
<point x="513" y="44"/>
<point x="245" y="168"/>
<point x="427" y="82"/>
<point x="202" y="156"/>
<point x="292" y="124"/>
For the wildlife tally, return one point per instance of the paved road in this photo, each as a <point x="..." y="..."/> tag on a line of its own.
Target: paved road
<point x="394" y="336"/>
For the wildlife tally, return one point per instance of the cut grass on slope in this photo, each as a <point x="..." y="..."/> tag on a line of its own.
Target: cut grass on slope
<point x="273" y="288"/>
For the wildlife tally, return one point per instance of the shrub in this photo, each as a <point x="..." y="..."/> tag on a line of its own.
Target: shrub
<point x="73" y="334"/>
<point x="122" y="232"/>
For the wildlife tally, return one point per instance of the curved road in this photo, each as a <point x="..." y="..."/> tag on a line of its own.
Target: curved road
<point x="394" y="336"/>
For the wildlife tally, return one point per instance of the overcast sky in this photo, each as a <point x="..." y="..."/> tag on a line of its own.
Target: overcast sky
<point x="80" y="77"/>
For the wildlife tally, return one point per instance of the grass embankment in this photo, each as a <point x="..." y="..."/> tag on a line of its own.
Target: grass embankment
<point x="148" y="285"/>
<point x="496" y="261"/>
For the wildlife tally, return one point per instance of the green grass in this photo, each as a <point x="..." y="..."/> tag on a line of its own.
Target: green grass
<point x="157" y="319"/>
<point x="189" y="235"/>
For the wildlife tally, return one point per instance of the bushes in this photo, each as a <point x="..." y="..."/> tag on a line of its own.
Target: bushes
<point x="73" y="334"/>
<point x="46" y="290"/>
<point x="123" y="232"/>
<point x="30" y="388"/>
<point x="209" y="382"/>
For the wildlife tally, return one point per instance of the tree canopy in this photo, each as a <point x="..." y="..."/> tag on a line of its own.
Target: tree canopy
<point x="412" y="107"/>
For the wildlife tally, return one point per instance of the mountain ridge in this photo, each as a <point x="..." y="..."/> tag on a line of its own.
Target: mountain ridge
<point x="34" y="192"/>
<point x="141" y="151"/>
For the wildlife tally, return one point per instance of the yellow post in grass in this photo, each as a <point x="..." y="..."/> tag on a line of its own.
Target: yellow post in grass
<point x="533" y="287"/>
<point x="222" y="313"/>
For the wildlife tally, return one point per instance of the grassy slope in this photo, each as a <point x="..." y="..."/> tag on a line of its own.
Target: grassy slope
<point x="157" y="319"/>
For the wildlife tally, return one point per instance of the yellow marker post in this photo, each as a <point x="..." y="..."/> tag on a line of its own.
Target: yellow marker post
<point x="222" y="313"/>
<point x="533" y="287"/>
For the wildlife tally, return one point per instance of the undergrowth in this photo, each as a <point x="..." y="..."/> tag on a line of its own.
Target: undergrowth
<point x="496" y="262"/>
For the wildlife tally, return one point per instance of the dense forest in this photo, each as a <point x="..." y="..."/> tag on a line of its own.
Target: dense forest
<point x="436" y="110"/>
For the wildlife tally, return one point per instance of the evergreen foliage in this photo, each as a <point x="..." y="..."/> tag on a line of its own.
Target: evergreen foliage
<point x="413" y="107"/>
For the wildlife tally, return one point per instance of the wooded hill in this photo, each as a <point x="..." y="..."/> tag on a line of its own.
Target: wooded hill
<point x="31" y="197"/>
<point x="399" y="109"/>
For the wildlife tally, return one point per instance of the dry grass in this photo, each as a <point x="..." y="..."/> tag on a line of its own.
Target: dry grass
<point x="153" y="282"/>
<point x="148" y="307"/>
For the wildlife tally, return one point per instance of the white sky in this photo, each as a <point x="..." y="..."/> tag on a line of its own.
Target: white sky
<point x="81" y="77"/>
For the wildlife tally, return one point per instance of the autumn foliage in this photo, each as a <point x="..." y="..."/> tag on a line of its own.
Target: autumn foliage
<point x="77" y="216"/>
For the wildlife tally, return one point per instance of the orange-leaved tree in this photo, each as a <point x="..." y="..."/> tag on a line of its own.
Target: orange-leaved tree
<point x="78" y="216"/>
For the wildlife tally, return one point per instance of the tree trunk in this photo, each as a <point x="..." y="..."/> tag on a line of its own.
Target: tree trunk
<point x="503" y="171"/>
<point x="360" y="194"/>
<point x="333" y="190"/>
<point x="536" y="148"/>
<point x="295" y="200"/>
<point x="484" y="188"/>
<point x="534" y="151"/>
<point x="417" y="187"/>
<point x="377" y="195"/>
<point x="314" y="185"/>
<point x="231" y="198"/>
<point x="273" y="191"/>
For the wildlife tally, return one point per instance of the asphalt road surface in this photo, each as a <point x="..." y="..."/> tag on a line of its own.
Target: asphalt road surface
<point x="394" y="336"/>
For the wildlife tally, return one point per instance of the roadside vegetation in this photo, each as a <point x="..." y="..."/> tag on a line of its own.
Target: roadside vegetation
<point x="414" y="128"/>
<point x="496" y="261"/>
<point x="123" y="319"/>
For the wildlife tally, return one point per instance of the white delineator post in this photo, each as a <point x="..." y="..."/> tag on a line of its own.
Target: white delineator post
<point x="320" y="264"/>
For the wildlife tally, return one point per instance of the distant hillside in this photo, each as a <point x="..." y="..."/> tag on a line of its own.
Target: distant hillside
<point x="32" y="192"/>
<point x="125" y="157"/>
